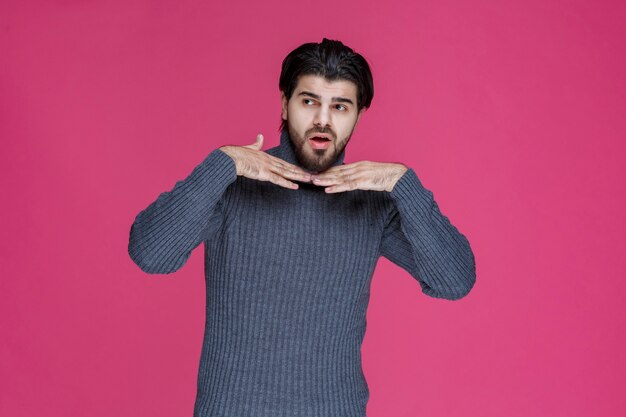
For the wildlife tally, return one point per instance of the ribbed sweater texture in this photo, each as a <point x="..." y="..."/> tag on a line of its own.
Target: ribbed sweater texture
<point x="288" y="276"/>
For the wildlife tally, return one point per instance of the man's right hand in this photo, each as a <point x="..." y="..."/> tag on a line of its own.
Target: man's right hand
<point x="254" y="163"/>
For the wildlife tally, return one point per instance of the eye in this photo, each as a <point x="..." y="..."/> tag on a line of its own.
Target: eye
<point x="343" y="108"/>
<point x="307" y="99"/>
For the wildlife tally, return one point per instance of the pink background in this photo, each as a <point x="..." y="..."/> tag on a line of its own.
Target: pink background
<point x="511" y="112"/>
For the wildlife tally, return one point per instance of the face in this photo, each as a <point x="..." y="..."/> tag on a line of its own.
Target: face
<point x="324" y="110"/>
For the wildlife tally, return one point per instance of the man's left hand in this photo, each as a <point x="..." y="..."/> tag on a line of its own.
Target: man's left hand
<point x="362" y="175"/>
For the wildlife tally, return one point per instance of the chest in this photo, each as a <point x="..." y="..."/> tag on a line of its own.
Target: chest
<point x="312" y="230"/>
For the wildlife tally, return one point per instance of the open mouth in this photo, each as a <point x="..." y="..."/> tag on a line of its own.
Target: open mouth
<point x="319" y="142"/>
<point x="320" y="139"/>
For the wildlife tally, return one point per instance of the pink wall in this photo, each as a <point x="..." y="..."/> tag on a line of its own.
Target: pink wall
<point x="512" y="113"/>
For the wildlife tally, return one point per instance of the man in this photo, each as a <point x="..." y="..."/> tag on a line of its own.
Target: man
<point x="291" y="239"/>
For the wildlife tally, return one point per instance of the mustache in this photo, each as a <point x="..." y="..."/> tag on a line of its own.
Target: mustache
<point x="316" y="130"/>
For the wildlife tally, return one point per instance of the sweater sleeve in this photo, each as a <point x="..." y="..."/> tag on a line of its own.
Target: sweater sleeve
<point x="421" y="240"/>
<point x="164" y="234"/>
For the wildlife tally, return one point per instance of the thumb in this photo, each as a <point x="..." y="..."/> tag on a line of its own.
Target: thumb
<point x="259" y="142"/>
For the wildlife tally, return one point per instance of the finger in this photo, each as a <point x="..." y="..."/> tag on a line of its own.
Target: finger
<point x="344" y="186"/>
<point x="278" y="180"/>
<point x="258" y="144"/>
<point x="327" y="180"/>
<point x="336" y="172"/>
<point x="358" y="182"/>
<point x="344" y="167"/>
<point x="332" y="179"/>
<point x="291" y="172"/>
<point x="352" y="182"/>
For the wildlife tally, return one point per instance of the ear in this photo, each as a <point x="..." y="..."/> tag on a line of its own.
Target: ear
<point x="284" y="103"/>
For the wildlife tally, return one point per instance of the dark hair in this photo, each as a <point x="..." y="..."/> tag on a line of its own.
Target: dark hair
<point x="332" y="60"/>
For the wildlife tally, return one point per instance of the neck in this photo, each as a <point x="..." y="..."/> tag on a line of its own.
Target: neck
<point x="287" y="151"/>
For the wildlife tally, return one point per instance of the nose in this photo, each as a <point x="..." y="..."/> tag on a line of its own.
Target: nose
<point x="322" y="118"/>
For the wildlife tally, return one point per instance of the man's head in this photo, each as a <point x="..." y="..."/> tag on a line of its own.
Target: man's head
<point x="324" y="88"/>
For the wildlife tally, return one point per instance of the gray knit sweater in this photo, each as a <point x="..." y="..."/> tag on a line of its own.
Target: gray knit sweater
<point x="288" y="277"/>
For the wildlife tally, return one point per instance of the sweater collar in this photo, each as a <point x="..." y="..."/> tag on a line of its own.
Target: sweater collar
<point x="287" y="152"/>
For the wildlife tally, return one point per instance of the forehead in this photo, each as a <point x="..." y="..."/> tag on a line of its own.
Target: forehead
<point x="325" y="88"/>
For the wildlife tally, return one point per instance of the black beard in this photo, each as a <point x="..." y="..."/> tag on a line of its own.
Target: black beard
<point x="322" y="159"/>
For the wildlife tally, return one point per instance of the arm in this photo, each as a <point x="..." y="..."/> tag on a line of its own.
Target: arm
<point x="164" y="234"/>
<point x="421" y="240"/>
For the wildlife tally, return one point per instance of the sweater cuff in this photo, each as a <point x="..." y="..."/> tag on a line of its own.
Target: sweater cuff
<point x="409" y="193"/>
<point x="216" y="172"/>
<point x="221" y="159"/>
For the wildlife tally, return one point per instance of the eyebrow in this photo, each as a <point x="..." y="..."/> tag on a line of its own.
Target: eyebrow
<point x="334" y="99"/>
